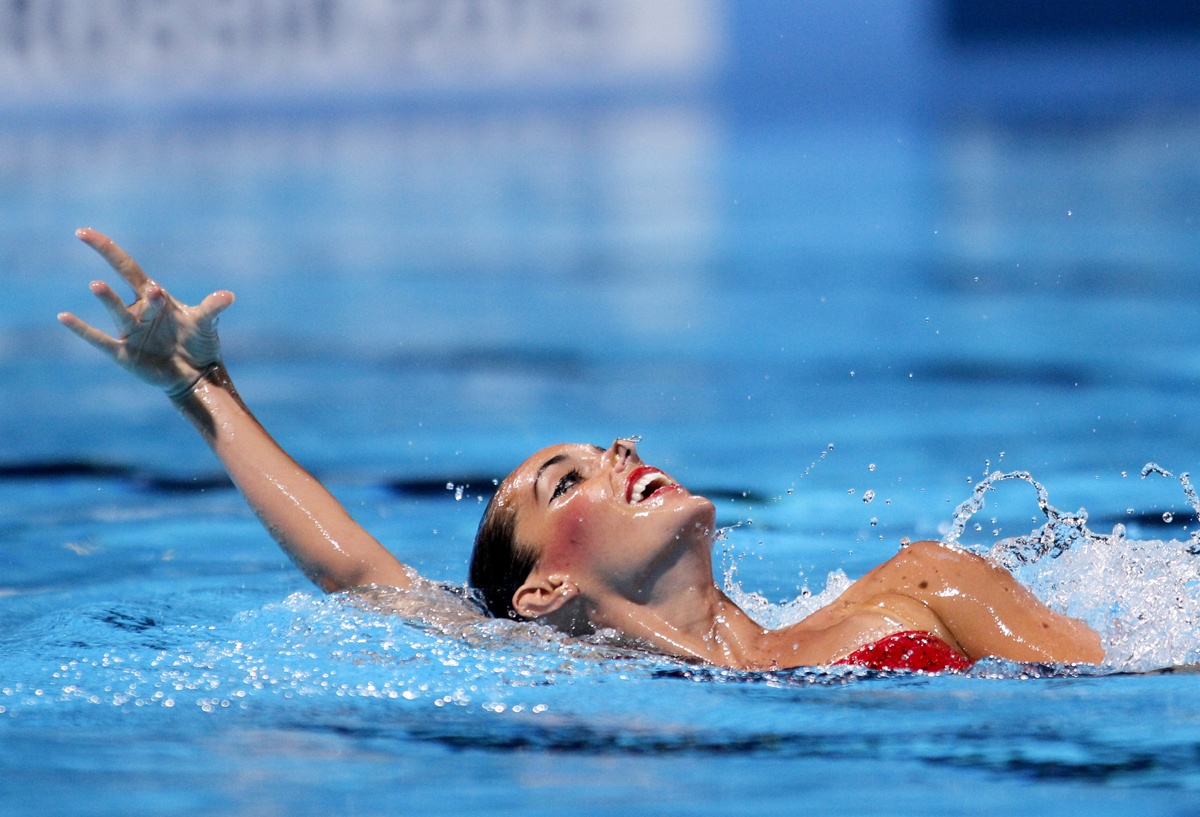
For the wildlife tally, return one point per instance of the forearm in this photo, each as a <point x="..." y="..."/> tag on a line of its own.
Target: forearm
<point x="306" y="520"/>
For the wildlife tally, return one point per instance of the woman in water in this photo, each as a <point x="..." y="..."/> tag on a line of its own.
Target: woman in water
<point x="584" y="538"/>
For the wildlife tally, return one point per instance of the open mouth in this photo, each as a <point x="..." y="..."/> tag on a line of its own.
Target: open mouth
<point x="644" y="483"/>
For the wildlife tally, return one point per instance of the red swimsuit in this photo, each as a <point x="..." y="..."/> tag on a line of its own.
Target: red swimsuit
<point x="911" y="649"/>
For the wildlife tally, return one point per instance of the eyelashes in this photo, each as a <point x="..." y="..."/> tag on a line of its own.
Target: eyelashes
<point x="568" y="481"/>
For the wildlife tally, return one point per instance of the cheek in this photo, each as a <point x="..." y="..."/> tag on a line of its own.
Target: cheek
<point x="568" y="541"/>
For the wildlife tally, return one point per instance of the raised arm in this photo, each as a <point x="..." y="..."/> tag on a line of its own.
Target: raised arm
<point x="175" y="347"/>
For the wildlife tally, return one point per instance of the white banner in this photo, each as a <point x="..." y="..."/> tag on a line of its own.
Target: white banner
<point x="84" y="48"/>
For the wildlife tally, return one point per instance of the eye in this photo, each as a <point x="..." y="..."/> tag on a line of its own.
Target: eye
<point x="569" y="480"/>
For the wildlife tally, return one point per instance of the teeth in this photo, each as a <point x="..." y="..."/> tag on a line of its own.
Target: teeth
<point x="644" y="482"/>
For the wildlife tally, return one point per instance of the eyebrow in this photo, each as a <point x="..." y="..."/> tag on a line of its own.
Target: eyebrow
<point x="555" y="459"/>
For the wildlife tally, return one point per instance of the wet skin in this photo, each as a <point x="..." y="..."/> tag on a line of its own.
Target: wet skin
<point x="620" y="545"/>
<point x="624" y="546"/>
<point x="603" y="517"/>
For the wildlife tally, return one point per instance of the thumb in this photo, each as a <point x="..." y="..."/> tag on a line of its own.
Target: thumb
<point x="215" y="304"/>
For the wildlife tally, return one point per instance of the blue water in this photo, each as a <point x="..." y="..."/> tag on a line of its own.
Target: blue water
<point x="796" y="319"/>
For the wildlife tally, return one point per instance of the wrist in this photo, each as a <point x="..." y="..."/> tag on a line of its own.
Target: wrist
<point x="209" y="399"/>
<point x="180" y="393"/>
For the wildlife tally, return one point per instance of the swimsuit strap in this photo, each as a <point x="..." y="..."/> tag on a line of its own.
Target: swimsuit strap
<point x="911" y="650"/>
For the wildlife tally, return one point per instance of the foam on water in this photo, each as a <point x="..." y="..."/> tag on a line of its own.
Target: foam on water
<point x="431" y="646"/>
<point x="273" y="657"/>
<point x="1142" y="596"/>
<point x="773" y="616"/>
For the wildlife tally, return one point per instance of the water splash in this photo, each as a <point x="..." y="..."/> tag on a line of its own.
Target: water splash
<point x="828" y="450"/>
<point x="1188" y="491"/>
<point x="1061" y="531"/>
<point x="1154" y="468"/>
<point x="774" y="616"/>
<point x="1142" y="596"/>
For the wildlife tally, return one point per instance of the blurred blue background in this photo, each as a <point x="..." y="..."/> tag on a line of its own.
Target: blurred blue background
<point x="941" y="236"/>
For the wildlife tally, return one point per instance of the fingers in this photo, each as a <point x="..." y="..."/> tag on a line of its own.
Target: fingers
<point x="151" y="300"/>
<point x="89" y="333"/>
<point x="116" y="257"/>
<point x="120" y="313"/>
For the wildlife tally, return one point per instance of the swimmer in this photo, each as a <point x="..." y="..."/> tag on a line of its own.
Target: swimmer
<point x="584" y="538"/>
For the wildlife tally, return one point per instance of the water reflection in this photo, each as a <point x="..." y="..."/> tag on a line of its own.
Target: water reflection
<point x="1105" y="207"/>
<point x="602" y="219"/>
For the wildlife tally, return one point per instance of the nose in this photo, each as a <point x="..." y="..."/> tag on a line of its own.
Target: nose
<point x="624" y="453"/>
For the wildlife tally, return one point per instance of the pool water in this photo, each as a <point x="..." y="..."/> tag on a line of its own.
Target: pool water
<point x="835" y="332"/>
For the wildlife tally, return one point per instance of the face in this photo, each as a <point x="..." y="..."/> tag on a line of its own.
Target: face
<point x="603" y="517"/>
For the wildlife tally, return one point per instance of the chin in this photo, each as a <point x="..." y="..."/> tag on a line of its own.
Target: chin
<point x="680" y="515"/>
<point x="702" y="514"/>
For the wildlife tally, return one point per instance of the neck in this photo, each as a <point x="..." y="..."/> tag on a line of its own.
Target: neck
<point x="673" y="606"/>
<point x="702" y="624"/>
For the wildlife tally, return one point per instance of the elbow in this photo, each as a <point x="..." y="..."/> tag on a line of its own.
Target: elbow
<point x="1093" y="650"/>
<point x="330" y="585"/>
<point x="330" y="581"/>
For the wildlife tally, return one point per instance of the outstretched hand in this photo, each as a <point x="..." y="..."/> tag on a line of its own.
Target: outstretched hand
<point x="164" y="342"/>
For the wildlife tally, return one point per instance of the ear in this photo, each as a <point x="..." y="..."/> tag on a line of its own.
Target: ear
<point x="542" y="595"/>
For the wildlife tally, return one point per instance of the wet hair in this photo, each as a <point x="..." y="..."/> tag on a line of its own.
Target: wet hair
<point x="499" y="563"/>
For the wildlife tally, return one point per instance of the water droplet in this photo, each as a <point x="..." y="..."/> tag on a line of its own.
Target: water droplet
<point x="905" y="541"/>
<point x="458" y="493"/>
<point x="1124" y="474"/>
<point x="831" y="446"/>
<point x="874" y="521"/>
<point x="1155" y="468"/>
<point x="449" y="486"/>
<point x="850" y="492"/>
<point x="871" y="467"/>
<point x="1168" y="517"/>
<point x="868" y="495"/>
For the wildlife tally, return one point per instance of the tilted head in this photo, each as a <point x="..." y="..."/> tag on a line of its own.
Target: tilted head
<point x="576" y="526"/>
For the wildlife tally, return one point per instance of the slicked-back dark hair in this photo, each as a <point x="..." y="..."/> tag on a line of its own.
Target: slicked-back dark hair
<point x="499" y="563"/>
